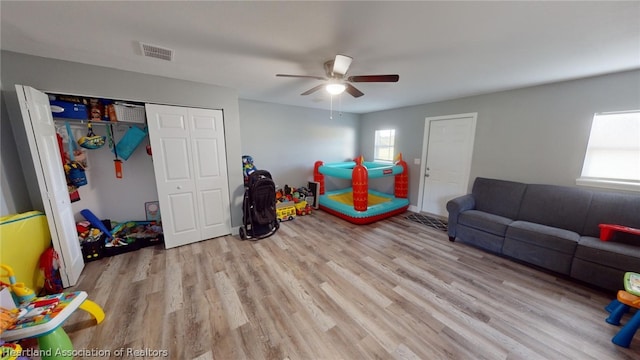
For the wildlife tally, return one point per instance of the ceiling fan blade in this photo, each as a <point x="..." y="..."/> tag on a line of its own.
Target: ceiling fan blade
<point x="341" y="64"/>
<point x="374" y="78"/>
<point x="353" y="91"/>
<point x="313" y="89"/>
<point x="302" y="76"/>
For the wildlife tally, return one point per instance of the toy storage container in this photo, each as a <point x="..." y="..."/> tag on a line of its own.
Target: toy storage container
<point x="130" y="112"/>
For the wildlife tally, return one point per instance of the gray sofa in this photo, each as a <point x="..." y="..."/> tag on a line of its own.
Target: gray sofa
<point x="550" y="226"/>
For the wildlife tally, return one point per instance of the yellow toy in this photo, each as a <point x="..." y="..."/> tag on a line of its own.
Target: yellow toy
<point x="10" y="351"/>
<point x="285" y="211"/>
<point x="19" y="292"/>
<point x="302" y="208"/>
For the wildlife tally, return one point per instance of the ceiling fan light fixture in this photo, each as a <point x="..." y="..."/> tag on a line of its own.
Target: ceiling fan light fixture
<point x="336" y="80"/>
<point x="335" y="88"/>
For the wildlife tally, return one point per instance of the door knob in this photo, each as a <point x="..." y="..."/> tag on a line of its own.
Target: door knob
<point x="179" y="187"/>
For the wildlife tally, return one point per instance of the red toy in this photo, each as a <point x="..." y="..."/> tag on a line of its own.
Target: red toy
<point x="49" y="265"/>
<point x="607" y="230"/>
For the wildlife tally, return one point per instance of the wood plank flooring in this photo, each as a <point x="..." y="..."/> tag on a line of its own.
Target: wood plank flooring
<point x="322" y="288"/>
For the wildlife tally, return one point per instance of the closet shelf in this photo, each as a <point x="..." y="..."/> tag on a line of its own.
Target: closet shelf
<point x="96" y="122"/>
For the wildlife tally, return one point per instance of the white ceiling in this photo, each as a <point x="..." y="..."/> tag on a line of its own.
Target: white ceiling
<point x="441" y="50"/>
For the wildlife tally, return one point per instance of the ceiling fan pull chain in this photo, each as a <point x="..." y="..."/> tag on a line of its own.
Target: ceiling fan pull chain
<point x="330" y="107"/>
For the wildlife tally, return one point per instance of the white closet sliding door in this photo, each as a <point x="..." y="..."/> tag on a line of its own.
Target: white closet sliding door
<point x="189" y="160"/>
<point x="41" y="135"/>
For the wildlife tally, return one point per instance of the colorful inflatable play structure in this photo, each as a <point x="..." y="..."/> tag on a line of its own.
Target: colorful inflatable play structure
<point x="359" y="204"/>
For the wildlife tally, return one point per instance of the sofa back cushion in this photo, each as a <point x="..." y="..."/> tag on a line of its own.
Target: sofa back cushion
<point x="558" y="206"/>
<point x="612" y="208"/>
<point x="499" y="197"/>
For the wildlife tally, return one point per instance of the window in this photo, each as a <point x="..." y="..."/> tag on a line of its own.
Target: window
<point x="384" y="142"/>
<point x="612" y="159"/>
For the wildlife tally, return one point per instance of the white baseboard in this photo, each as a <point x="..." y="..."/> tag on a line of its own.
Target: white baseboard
<point x="415" y="209"/>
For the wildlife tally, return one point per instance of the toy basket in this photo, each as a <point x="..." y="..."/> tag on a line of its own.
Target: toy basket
<point x="130" y="113"/>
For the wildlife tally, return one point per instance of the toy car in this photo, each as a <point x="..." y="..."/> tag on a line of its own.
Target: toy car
<point x="285" y="211"/>
<point x="303" y="208"/>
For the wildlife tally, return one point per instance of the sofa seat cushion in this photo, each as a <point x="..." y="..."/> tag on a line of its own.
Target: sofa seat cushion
<point x="599" y="275"/>
<point x="561" y="240"/>
<point x="480" y="239"/>
<point x="484" y="221"/>
<point x="541" y="245"/>
<point x="610" y="253"/>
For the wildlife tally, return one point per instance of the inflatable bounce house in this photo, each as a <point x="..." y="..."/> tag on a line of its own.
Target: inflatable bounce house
<point x="359" y="204"/>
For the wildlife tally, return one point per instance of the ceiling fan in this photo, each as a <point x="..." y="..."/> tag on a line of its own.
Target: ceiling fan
<point x="336" y="80"/>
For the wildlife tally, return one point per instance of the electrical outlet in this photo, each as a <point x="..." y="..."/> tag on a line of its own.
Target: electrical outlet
<point x="416" y="161"/>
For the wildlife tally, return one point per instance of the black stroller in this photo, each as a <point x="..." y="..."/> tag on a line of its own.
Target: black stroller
<point x="259" y="207"/>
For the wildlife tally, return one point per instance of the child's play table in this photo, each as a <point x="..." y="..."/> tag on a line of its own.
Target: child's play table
<point x="44" y="319"/>
<point x="632" y="283"/>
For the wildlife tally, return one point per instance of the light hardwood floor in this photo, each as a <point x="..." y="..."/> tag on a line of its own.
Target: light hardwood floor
<point x="322" y="288"/>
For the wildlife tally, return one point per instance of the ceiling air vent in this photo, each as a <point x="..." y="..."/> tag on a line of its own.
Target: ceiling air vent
<point x="156" y="52"/>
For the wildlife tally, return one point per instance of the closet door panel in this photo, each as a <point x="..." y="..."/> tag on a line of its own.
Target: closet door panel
<point x="209" y="155"/>
<point x="176" y="165"/>
<point x="208" y="167"/>
<point x="45" y="154"/>
<point x="213" y="214"/>
<point x="183" y="221"/>
<point x="172" y="163"/>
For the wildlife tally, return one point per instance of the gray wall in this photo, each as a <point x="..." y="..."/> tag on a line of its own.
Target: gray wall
<point x="288" y="140"/>
<point x="105" y="195"/>
<point x="57" y="76"/>
<point x="14" y="196"/>
<point x="537" y="134"/>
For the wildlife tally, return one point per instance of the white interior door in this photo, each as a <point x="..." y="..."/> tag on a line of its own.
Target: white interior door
<point x="189" y="160"/>
<point x="41" y="135"/>
<point x="449" y="148"/>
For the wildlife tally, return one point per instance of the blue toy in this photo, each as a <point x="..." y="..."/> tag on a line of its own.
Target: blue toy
<point x="247" y="167"/>
<point x="96" y="222"/>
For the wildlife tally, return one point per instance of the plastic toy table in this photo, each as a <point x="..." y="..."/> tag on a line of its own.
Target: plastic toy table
<point x="632" y="283"/>
<point x="48" y="314"/>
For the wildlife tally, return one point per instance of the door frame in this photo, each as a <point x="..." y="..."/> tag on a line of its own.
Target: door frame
<point x="425" y="147"/>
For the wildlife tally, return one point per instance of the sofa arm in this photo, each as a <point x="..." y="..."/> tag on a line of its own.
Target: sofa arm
<point x="455" y="207"/>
